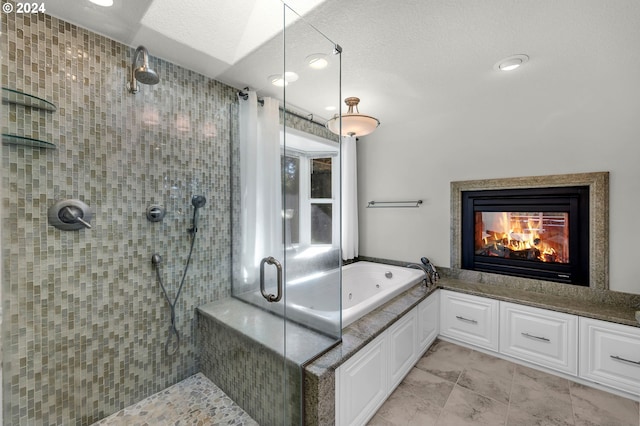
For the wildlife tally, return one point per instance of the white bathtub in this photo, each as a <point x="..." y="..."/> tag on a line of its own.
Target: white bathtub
<point x="313" y="300"/>
<point x="366" y="286"/>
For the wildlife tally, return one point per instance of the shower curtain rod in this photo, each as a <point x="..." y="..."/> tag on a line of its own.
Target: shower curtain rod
<point x="309" y="117"/>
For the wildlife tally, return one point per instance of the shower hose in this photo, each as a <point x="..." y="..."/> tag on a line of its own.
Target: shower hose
<point x="173" y="330"/>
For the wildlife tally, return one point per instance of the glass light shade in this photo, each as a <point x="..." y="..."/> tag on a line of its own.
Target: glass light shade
<point x="353" y="123"/>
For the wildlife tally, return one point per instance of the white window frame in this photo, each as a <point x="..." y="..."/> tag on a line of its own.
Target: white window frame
<point x="304" y="158"/>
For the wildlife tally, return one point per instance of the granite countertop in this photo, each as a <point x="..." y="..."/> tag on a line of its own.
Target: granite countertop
<point x="586" y="308"/>
<point x="361" y="332"/>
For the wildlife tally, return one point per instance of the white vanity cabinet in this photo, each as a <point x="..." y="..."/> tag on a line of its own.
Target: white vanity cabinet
<point x="403" y="347"/>
<point x="610" y="354"/>
<point x="539" y="336"/>
<point x="469" y="319"/>
<point x="428" y="321"/>
<point x="361" y="383"/>
<point x="366" y="379"/>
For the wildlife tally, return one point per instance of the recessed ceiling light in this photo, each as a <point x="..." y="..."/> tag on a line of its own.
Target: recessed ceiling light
<point x="330" y="108"/>
<point x="317" y="61"/>
<point x="103" y="3"/>
<point x="290" y="76"/>
<point x="511" y="63"/>
<point x="279" y="80"/>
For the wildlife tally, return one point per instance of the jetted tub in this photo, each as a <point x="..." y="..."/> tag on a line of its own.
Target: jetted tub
<point x="368" y="285"/>
<point x="312" y="300"/>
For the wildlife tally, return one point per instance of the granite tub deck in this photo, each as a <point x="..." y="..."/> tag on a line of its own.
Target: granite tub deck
<point x="320" y="374"/>
<point x="193" y="401"/>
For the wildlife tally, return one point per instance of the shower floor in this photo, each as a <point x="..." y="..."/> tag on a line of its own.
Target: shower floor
<point x="193" y="401"/>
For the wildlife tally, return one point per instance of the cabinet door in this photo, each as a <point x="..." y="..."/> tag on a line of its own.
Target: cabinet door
<point x="610" y="354"/>
<point x="361" y="384"/>
<point x="539" y="336"/>
<point x="403" y="348"/>
<point x="428" y="321"/>
<point x="470" y="319"/>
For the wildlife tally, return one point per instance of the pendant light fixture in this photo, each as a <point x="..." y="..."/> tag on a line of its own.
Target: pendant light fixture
<point x="353" y="123"/>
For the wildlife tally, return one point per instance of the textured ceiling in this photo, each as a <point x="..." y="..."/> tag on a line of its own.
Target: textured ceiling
<point x="410" y="60"/>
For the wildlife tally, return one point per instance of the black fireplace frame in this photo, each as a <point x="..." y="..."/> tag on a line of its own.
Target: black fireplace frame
<point x="573" y="200"/>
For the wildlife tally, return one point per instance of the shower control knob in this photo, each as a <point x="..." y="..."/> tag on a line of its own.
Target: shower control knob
<point x="155" y="213"/>
<point x="70" y="215"/>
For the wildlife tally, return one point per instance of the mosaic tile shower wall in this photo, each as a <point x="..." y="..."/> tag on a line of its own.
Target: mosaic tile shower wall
<point x="85" y="321"/>
<point x="251" y="374"/>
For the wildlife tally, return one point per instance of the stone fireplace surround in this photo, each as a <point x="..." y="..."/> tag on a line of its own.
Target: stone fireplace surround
<point x="598" y="184"/>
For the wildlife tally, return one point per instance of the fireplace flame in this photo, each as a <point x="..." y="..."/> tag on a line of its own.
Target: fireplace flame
<point x="528" y="236"/>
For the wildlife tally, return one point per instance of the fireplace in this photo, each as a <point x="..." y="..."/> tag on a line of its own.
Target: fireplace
<point x="552" y="230"/>
<point x="540" y="233"/>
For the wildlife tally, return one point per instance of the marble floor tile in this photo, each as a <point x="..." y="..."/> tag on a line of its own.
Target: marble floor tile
<point x="518" y="417"/>
<point x="465" y="407"/>
<point x="536" y="379"/>
<point x="427" y="386"/>
<point x="539" y="398"/>
<point x="399" y="408"/>
<point x="445" y="360"/>
<point x="593" y="407"/>
<point x="533" y="397"/>
<point x="488" y="376"/>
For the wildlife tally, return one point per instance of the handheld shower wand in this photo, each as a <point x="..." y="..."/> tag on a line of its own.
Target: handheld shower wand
<point x="198" y="201"/>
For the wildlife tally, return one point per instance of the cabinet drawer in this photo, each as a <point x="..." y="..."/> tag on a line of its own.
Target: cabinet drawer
<point x="610" y="354"/>
<point x="470" y="319"/>
<point x="539" y="336"/>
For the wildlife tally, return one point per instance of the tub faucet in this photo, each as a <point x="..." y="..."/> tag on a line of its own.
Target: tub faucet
<point x="427" y="278"/>
<point x="431" y="269"/>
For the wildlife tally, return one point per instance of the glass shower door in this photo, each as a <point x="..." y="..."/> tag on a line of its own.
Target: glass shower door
<point x="286" y="223"/>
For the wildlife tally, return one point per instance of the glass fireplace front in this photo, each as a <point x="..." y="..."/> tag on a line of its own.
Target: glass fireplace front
<point x="536" y="233"/>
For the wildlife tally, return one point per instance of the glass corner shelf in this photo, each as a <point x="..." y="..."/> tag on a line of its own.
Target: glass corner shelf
<point x="8" y="139"/>
<point x="15" y="97"/>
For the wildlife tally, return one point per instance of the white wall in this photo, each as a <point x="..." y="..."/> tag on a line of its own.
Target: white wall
<point x="498" y="132"/>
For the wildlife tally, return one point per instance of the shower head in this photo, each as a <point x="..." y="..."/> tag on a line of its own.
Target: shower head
<point x="146" y="75"/>
<point x="141" y="72"/>
<point x="198" y="201"/>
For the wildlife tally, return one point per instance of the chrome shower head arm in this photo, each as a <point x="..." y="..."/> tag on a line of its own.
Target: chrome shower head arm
<point x="143" y="73"/>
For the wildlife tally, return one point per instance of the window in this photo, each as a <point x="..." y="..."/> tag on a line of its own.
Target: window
<point x="310" y="178"/>
<point x="321" y="200"/>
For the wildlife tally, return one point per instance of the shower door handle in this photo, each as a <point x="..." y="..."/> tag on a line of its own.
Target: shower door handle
<point x="271" y="297"/>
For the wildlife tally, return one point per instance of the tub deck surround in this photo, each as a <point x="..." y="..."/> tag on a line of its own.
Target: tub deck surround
<point x="320" y="374"/>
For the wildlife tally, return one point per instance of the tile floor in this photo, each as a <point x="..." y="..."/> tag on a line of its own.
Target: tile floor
<point x="455" y="386"/>
<point x="194" y="401"/>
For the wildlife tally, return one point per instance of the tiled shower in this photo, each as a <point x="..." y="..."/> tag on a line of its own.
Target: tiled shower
<point x="84" y="318"/>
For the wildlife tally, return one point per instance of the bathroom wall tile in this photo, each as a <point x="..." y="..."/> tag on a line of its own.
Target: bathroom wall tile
<point x="85" y="318"/>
